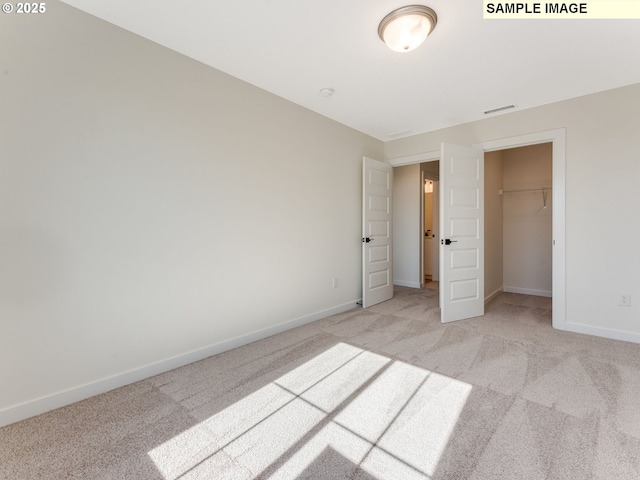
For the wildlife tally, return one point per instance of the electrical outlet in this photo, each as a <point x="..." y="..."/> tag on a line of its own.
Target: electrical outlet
<point x="335" y="282"/>
<point x="624" y="300"/>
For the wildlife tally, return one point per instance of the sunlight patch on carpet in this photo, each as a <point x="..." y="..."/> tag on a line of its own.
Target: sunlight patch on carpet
<point x="346" y="408"/>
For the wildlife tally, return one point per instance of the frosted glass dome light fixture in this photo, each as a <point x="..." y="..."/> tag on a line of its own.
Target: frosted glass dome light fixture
<point x="406" y="28"/>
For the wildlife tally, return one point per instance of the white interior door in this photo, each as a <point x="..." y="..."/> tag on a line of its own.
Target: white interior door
<point x="377" y="259"/>
<point x="461" y="232"/>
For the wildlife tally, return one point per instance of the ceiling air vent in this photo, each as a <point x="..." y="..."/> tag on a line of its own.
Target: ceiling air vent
<point x="499" y="109"/>
<point x="403" y="133"/>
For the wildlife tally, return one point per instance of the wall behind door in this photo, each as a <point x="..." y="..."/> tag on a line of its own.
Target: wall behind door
<point x="493" y="231"/>
<point x="407" y="234"/>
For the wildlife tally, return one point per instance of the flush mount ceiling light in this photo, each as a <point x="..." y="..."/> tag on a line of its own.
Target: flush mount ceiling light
<point x="406" y="28"/>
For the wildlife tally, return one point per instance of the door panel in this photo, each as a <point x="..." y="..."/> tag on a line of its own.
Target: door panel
<point x="461" y="223"/>
<point x="377" y="278"/>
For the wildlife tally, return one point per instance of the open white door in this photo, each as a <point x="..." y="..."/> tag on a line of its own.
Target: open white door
<point x="461" y="232"/>
<point x="377" y="277"/>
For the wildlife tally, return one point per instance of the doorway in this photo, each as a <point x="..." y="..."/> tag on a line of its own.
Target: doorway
<point x="429" y="206"/>
<point x="557" y="140"/>
<point x="518" y="221"/>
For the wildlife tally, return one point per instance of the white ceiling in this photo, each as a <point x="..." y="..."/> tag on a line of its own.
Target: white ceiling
<point x="295" y="48"/>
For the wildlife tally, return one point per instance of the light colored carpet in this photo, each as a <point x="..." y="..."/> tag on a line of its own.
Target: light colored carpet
<point x="383" y="393"/>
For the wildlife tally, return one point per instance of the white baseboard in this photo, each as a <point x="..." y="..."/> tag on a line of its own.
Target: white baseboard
<point x="528" y="291"/>
<point x="403" y="283"/>
<point x="603" y="332"/>
<point x="493" y="295"/>
<point x="47" y="403"/>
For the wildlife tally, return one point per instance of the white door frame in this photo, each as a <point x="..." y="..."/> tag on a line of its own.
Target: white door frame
<point x="557" y="138"/>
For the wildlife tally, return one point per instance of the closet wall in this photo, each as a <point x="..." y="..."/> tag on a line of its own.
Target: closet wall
<point x="493" y="231"/>
<point x="527" y="228"/>
<point x="518" y="228"/>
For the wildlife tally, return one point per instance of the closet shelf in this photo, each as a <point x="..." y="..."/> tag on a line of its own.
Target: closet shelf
<point x="517" y="190"/>
<point x="542" y="190"/>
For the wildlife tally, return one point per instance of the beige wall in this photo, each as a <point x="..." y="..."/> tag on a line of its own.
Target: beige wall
<point x="407" y="235"/>
<point x="602" y="170"/>
<point x="151" y="207"/>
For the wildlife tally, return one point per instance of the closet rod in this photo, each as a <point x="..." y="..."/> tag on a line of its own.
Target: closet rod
<point x="500" y="192"/>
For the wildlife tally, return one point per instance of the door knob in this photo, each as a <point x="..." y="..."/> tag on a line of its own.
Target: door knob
<point x="367" y="239"/>
<point x="447" y="241"/>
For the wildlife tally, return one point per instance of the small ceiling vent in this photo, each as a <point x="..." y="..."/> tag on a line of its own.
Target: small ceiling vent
<point x="403" y="133"/>
<point x="499" y="109"/>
